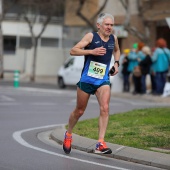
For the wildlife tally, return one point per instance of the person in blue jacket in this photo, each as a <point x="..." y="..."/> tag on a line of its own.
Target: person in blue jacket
<point x="135" y="56"/>
<point x="161" y="63"/>
<point x="132" y="56"/>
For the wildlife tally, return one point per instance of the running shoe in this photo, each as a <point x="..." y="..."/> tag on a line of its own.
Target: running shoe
<point x="67" y="143"/>
<point x="101" y="147"/>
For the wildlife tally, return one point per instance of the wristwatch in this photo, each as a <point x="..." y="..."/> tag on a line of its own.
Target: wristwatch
<point x="117" y="62"/>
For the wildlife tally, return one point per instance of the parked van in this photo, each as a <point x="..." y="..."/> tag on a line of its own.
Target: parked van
<point x="70" y="72"/>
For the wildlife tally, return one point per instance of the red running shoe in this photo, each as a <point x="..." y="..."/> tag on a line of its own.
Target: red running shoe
<point x="67" y="143"/>
<point x="101" y="147"/>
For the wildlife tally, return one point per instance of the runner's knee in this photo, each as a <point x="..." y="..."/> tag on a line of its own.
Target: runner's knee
<point x="104" y="110"/>
<point x="79" y="112"/>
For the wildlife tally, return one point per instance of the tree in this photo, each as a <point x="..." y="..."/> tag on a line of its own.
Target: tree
<point x="90" y="22"/>
<point x="32" y="9"/>
<point x="83" y="12"/>
<point x="143" y="36"/>
<point x="143" y="7"/>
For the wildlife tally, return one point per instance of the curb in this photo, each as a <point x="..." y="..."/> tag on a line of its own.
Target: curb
<point x="150" y="158"/>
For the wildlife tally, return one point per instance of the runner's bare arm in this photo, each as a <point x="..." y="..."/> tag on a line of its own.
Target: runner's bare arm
<point x="78" y="49"/>
<point x="116" y="54"/>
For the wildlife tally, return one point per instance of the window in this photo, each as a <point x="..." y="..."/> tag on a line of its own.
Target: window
<point x="49" y="42"/>
<point x="25" y="42"/>
<point x="69" y="63"/>
<point x="9" y="44"/>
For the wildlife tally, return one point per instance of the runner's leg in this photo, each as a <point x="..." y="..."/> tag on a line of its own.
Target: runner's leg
<point x="103" y="96"/>
<point x="82" y="100"/>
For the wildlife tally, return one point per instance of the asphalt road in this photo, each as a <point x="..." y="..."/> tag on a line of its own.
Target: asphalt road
<point x="27" y="112"/>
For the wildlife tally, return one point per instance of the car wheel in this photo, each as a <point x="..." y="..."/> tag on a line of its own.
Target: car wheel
<point x="61" y="83"/>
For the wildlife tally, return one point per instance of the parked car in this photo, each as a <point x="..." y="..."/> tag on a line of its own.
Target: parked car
<point x="70" y="72"/>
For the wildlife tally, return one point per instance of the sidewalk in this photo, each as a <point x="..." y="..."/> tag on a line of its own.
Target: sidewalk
<point x="140" y="156"/>
<point x="148" y="97"/>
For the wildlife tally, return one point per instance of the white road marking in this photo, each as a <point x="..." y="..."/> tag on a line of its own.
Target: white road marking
<point x="6" y="98"/>
<point x="17" y="137"/>
<point x="44" y="104"/>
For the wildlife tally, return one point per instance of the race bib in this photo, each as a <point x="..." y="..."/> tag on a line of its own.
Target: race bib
<point x="96" y="70"/>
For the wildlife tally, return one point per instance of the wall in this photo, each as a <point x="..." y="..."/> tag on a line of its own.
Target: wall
<point x="15" y="61"/>
<point x="12" y="28"/>
<point x="48" y="61"/>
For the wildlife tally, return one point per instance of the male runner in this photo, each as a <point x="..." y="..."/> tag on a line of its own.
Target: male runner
<point x="98" y="48"/>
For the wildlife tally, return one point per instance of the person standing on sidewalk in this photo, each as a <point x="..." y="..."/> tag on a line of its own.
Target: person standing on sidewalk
<point x="125" y="72"/>
<point x="145" y="66"/>
<point x="161" y="62"/>
<point x="98" y="48"/>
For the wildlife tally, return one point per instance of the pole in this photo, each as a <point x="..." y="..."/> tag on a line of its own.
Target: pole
<point x="16" y="78"/>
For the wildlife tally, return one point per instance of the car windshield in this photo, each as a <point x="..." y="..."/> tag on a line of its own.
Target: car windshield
<point x="69" y="63"/>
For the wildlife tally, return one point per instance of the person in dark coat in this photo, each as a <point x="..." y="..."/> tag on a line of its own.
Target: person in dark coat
<point x="125" y="72"/>
<point x="145" y="65"/>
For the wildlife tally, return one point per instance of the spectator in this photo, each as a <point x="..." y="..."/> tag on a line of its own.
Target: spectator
<point x="161" y="61"/>
<point x="135" y="56"/>
<point x="145" y="65"/>
<point x="132" y="58"/>
<point x="140" y="53"/>
<point x="125" y="72"/>
<point x="152" y="75"/>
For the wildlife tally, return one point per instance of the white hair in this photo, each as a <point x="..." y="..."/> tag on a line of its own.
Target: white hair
<point x="146" y="50"/>
<point x="102" y="16"/>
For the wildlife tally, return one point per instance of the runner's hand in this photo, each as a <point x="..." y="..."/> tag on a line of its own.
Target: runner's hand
<point x="99" y="51"/>
<point x="116" y="70"/>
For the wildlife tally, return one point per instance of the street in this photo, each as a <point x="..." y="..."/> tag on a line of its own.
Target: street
<point x="27" y="112"/>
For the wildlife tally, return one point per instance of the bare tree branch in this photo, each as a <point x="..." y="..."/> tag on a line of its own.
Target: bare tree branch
<point x="90" y="22"/>
<point x="81" y="3"/>
<point x="44" y="26"/>
<point x="135" y="32"/>
<point x="131" y="28"/>
<point x="30" y="25"/>
<point x="127" y="17"/>
<point x="124" y="3"/>
<point x="100" y="10"/>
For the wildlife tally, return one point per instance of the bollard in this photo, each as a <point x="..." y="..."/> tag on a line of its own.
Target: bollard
<point x="16" y="78"/>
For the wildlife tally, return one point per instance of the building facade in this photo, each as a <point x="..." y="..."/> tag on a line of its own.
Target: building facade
<point x="142" y="13"/>
<point x="148" y="18"/>
<point x="64" y="32"/>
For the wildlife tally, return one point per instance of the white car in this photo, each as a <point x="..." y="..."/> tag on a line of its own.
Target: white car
<point x="70" y="72"/>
